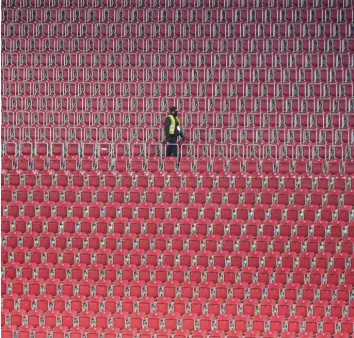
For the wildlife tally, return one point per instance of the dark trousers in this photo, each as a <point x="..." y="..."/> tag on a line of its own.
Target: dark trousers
<point x="172" y="150"/>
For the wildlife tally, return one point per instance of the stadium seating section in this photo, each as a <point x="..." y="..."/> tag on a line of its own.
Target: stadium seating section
<point x="250" y="234"/>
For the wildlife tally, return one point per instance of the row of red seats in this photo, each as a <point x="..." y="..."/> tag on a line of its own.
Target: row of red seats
<point x="167" y="45"/>
<point x="211" y="211"/>
<point x="196" y="242"/>
<point x="324" y="15"/>
<point x="204" y="197"/>
<point x="246" y="134"/>
<point x="177" y="179"/>
<point x="174" y="321"/>
<point x="180" y="273"/>
<point x="140" y="31"/>
<point x="197" y="305"/>
<point x="329" y="143"/>
<point x="287" y="143"/>
<point x="75" y="126"/>
<point x="145" y="45"/>
<point x="295" y="83"/>
<point x="229" y="236"/>
<point x="168" y="240"/>
<point x="32" y="18"/>
<point x="243" y="288"/>
<point x="134" y="105"/>
<point x="255" y="259"/>
<point x="245" y="83"/>
<point x="178" y="29"/>
<point x="207" y="88"/>
<point x="77" y="332"/>
<point x="170" y="226"/>
<point x="253" y="98"/>
<point x="269" y="70"/>
<point x="87" y="255"/>
<point x="139" y="156"/>
<point x="179" y="210"/>
<point x="176" y="241"/>
<point x="167" y="251"/>
<point x="140" y="38"/>
<point x="152" y="165"/>
<point x="217" y="42"/>
<point x="230" y="144"/>
<point x="152" y="114"/>
<point x="51" y="126"/>
<point x="223" y="4"/>
<point x="241" y="164"/>
<point x="140" y="187"/>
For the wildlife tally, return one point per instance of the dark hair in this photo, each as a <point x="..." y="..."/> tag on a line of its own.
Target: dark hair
<point x="173" y="109"/>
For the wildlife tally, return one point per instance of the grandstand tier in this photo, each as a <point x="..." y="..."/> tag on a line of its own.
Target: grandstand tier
<point x="248" y="233"/>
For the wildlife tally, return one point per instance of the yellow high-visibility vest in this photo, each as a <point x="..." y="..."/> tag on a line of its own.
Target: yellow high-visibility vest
<point x="173" y="124"/>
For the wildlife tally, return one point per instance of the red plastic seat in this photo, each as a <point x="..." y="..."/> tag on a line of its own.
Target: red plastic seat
<point x="329" y="325"/>
<point x="256" y="290"/>
<point x="17" y="317"/>
<point x="259" y="323"/>
<point x="186" y="164"/>
<point x="168" y="194"/>
<point x="25" y="331"/>
<point x="11" y="269"/>
<point x="62" y="208"/>
<point x="8" y="190"/>
<point x="55" y="193"/>
<point x="347" y="325"/>
<point x="30" y="208"/>
<point x="144" y="210"/>
<point x="241" y="322"/>
<point x="152" y="194"/>
<point x="281" y="275"/>
<point x="236" y="165"/>
<point x="154" y="320"/>
<point x="153" y="164"/>
<point x="121" y="164"/>
<point x="120" y="194"/>
<point x="126" y="179"/>
<point x="203" y="164"/>
<point x="337" y="307"/>
<point x="170" y="164"/>
<point x="9" y="301"/>
<point x="219" y="164"/>
<point x="128" y="209"/>
<point x="266" y="307"/>
<point x="285" y="165"/>
<point x="276" y="323"/>
<point x="330" y="244"/>
<point x="345" y="289"/>
<point x="317" y="166"/>
<point x="192" y="178"/>
<point x="284" y="306"/>
<point x="294" y="323"/>
<point x="227" y="211"/>
<point x="34" y="285"/>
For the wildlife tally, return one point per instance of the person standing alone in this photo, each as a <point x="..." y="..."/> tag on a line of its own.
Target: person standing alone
<point x="173" y="130"/>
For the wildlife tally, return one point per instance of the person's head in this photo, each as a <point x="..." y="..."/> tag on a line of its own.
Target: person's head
<point x="173" y="111"/>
